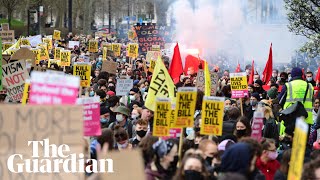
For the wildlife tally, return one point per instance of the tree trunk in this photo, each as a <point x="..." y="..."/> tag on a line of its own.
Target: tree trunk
<point x="9" y="17"/>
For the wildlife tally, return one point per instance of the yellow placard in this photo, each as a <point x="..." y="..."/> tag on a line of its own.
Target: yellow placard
<point x="161" y="86"/>
<point x="44" y="54"/>
<point x="152" y="55"/>
<point x="212" y="115"/>
<point x="48" y="41"/>
<point x="6" y="46"/>
<point x="239" y="85"/>
<point x="56" y="35"/>
<point x="84" y="72"/>
<point x="36" y="52"/>
<point x="104" y="53"/>
<point x="25" y="95"/>
<point x="152" y="65"/>
<point x="133" y="50"/>
<point x="57" y="52"/>
<point x="298" y="150"/>
<point x="12" y="51"/>
<point x="65" y="57"/>
<point x="185" y="107"/>
<point x="156" y="48"/>
<point x="93" y="46"/>
<point x="116" y="48"/>
<point x="25" y="42"/>
<point x="161" y="122"/>
<point x="54" y="61"/>
<point x="130" y="34"/>
<point x="172" y="114"/>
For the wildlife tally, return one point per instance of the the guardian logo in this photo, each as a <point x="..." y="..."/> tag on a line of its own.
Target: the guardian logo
<point x="52" y="163"/>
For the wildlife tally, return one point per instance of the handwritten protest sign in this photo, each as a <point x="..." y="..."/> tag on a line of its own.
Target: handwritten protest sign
<point x="56" y="35"/>
<point x="35" y="40"/>
<point x="14" y="75"/>
<point x="123" y="86"/>
<point x="44" y="54"/>
<point x="53" y="88"/>
<point x="7" y="36"/>
<point x="239" y="85"/>
<point x="73" y="43"/>
<point x="36" y="52"/>
<point x="91" y="115"/>
<point x="185" y="107"/>
<point x="83" y="70"/>
<point x="200" y="80"/>
<point x="212" y="115"/>
<point x="65" y="57"/>
<point x="161" y="123"/>
<point x="298" y="150"/>
<point x="109" y="66"/>
<point x="161" y="86"/>
<point x="48" y="41"/>
<point x="57" y="124"/>
<point x="116" y="48"/>
<point x="57" y="53"/>
<point x="152" y="34"/>
<point x="83" y="58"/>
<point x="133" y="50"/>
<point x="214" y="83"/>
<point x="93" y="46"/>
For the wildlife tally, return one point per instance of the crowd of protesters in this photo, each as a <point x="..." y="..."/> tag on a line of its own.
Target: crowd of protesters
<point x="127" y="124"/>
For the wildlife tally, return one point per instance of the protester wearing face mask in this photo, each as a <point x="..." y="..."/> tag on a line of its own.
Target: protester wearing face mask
<point x="141" y="128"/>
<point x="135" y="115"/>
<point x="243" y="128"/>
<point x="135" y="95"/>
<point x="258" y="88"/>
<point x="122" y="120"/>
<point x="267" y="162"/>
<point x="192" y="167"/>
<point x="210" y="151"/>
<point x="104" y="117"/>
<point x="121" y="137"/>
<point x="309" y="78"/>
<point x="274" y="76"/>
<point x="165" y="153"/>
<point x="227" y="105"/>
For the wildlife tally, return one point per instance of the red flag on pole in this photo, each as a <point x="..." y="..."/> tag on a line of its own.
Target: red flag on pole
<point x="251" y="74"/>
<point x="238" y="68"/>
<point x="303" y="74"/>
<point x="318" y="76"/>
<point x="267" y="72"/>
<point x="176" y="69"/>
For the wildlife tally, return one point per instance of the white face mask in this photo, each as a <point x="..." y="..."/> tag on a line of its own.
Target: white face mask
<point x="119" y="117"/>
<point x="309" y="78"/>
<point x="132" y="98"/>
<point x="122" y="146"/>
<point x="134" y="116"/>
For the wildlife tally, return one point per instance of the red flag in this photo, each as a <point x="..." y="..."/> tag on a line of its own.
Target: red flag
<point x="303" y="75"/>
<point x="238" y="68"/>
<point x="318" y="76"/>
<point x="192" y="62"/>
<point x="251" y="74"/>
<point x="267" y="72"/>
<point x="176" y="69"/>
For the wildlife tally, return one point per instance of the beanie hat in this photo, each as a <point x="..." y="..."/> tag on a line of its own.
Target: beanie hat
<point x="296" y="72"/>
<point x="135" y="82"/>
<point x="256" y="95"/>
<point x="104" y="110"/>
<point x="111" y="93"/>
<point x="272" y="93"/>
<point x="123" y="110"/>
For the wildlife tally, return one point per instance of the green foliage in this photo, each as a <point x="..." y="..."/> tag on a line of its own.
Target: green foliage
<point x="304" y="19"/>
<point x="14" y="23"/>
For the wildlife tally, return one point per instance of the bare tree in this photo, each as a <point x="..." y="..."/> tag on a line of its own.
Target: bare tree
<point x="10" y="5"/>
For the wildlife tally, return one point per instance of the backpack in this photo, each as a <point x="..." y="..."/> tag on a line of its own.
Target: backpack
<point x="271" y="129"/>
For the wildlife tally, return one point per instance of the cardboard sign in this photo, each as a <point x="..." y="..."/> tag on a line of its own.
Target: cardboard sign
<point x="214" y="83"/>
<point x="239" y="85"/>
<point x="123" y="86"/>
<point x="83" y="70"/>
<point x="152" y="34"/>
<point x="65" y="57"/>
<point x="152" y="56"/>
<point x="5" y="27"/>
<point x="53" y="88"/>
<point x="57" y="52"/>
<point x="298" y="150"/>
<point x="132" y="158"/>
<point x="156" y="48"/>
<point x="48" y="41"/>
<point x="257" y="125"/>
<point x="23" y="54"/>
<point x="200" y="80"/>
<point x="1" y="87"/>
<point x="185" y="107"/>
<point x="14" y="76"/>
<point x="56" y="35"/>
<point x="73" y="43"/>
<point x="25" y="41"/>
<point x="58" y="124"/>
<point x="7" y="36"/>
<point x="161" y="122"/>
<point x="109" y="66"/>
<point x="44" y="54"/>
<point x="212" y="115"/>
<point x="91" y="115"/>
<point x="116" y="48"/>
<point x="36" y="52"/>
<point x="93" y="46"/>
<point x="133" y="50"/>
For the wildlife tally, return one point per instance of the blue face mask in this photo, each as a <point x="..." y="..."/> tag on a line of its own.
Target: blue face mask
<point x="104" y="120"/>
<point x="143" y="90"/>
<point x="91" y="94"/>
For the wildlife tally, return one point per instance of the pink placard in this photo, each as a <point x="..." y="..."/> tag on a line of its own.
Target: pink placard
<point x="239" y="94"/>
<point x="49" y="88"/>
<point x="257" y="125"/>
<point x="91" y="116"/>
<point x="174" y="133"/>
